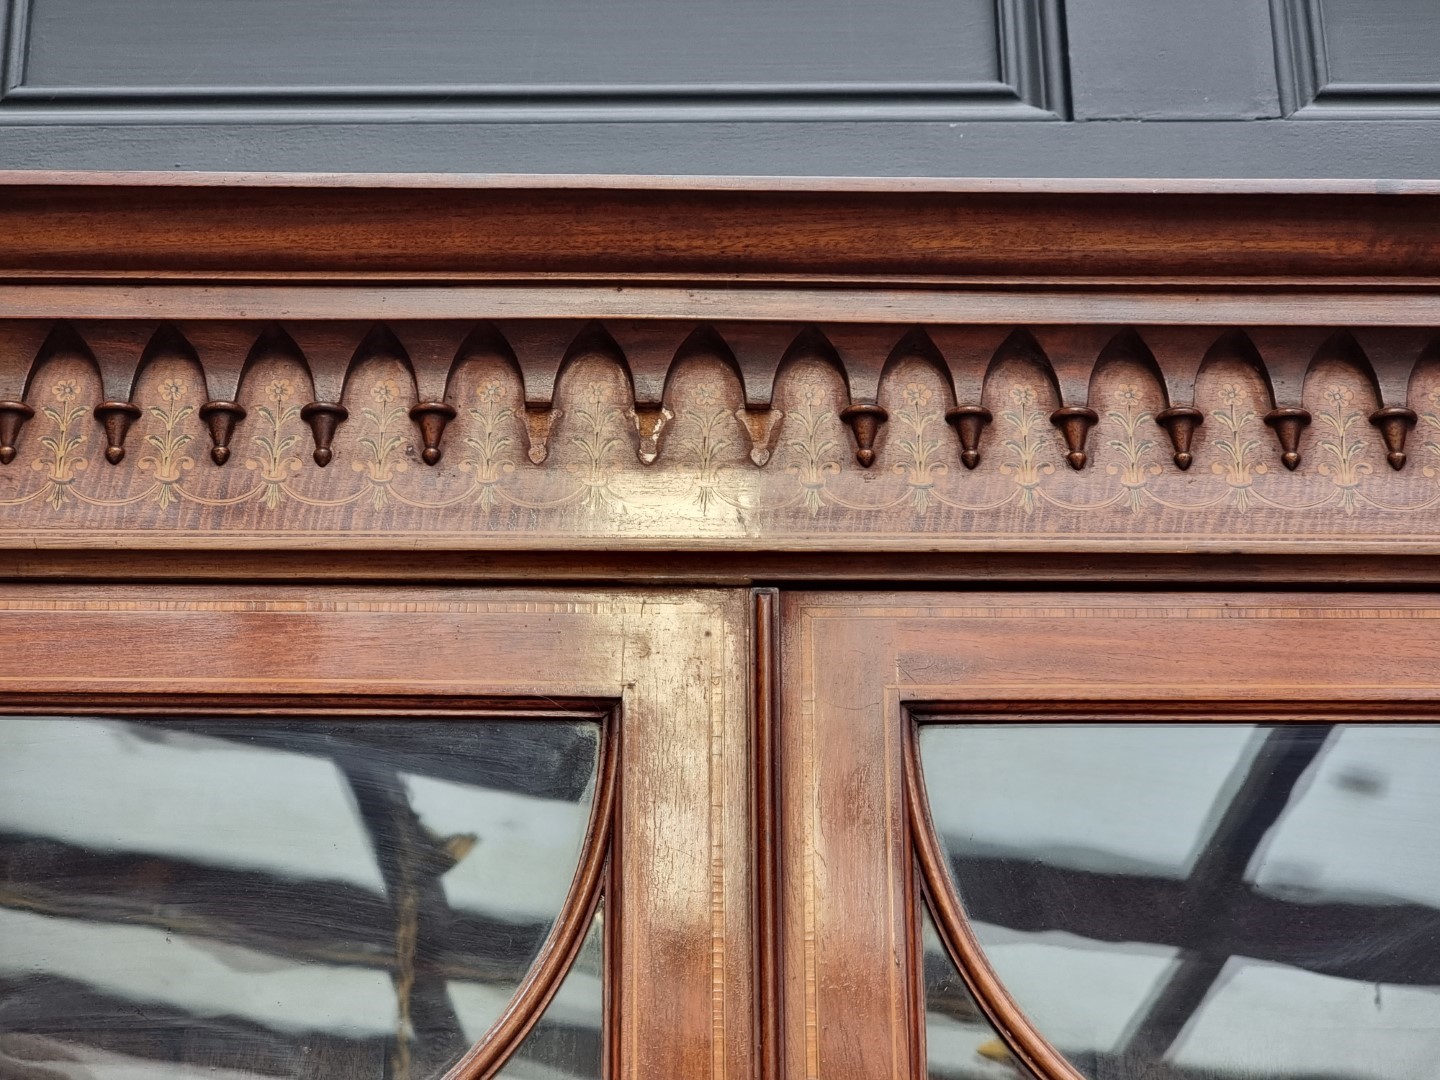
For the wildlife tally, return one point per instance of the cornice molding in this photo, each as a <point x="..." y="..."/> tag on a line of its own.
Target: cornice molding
<point x="67" y="228"/>
<point x="267" y="363"/>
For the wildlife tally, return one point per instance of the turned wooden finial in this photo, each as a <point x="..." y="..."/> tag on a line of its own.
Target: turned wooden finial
<point x="431" y="417"/>
<point x="1394" y="424"/>
<point x="539" y="423"/>
<point x="969" y="421"/>
<point x="13" y="415"/>
<point x="762" y="425"/>
<point x="864" y="421"/>
<point x="324" y="417"/>
<point x="116" y="417"/>
<point x="1180" y="422"/>
<point x="1288" y="424"/>
<point x="650" y="422"/>
<point x="221" y="417"/>
<point x="1075" y="422"/>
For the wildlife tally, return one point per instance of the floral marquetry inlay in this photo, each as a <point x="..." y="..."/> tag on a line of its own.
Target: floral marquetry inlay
<point x="720" y="448"/>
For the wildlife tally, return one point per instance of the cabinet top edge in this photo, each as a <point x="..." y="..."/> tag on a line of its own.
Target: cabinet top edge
<point x="960" y="185"/>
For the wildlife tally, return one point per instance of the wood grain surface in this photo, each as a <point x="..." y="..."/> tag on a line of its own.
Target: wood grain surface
<point x="739" y="436"/>
<point x="859" y="666"/>
<point x="671" y="663"/>
<point x="905" y="230"/>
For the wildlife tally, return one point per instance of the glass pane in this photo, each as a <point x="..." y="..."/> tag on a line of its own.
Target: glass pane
<point x="276" y="897"/>
<point x="960" y="1044"/>
<point x="567" y="1042"/>
<point x="1206" y="901"/>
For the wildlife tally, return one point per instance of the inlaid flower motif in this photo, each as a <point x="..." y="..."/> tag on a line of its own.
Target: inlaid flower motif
<point x="488" y="442"/>
<point x="382" y="442"/>
<point x="1025" y="424"/>
<point x="165" y="448"/>
<point x="917" y="445"/>
<point x="917" y="394"/>
<point x="1134" y="467"/>
<point x="1339" y="396"/>
<point x="812" y="395"/>
<point x="62" y="443"/>
<point x="813" y="452"/>
<point x="596" y="421"/>
<point x="1431" y="424"/>
<point x="1342" y="445"/>
<point x="700" y="435"/>
<point x="275" y="440"/>
<point x="1127" y="394"/>
<point x="1237" y="448"/>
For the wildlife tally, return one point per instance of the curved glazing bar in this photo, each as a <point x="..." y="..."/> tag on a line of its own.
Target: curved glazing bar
<point x="568" y="1041"/>
<point x="960" y="1043"/>
<point x="1192" y="901"/>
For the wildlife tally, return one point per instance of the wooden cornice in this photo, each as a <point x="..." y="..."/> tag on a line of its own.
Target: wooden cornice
<point x="159" y="226"/>
<point x="560" y="363"/>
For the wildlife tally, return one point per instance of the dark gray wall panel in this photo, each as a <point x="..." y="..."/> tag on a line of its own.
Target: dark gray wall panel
<point x="235" y="46"/>
<point x="744" y="87"/>
<point x="915" y="57"/>
<point x="1153" y="60"/>
<point x="1359" y="58"/>
<point x="1263" y="148"/>
<point x="1383" y="41"/>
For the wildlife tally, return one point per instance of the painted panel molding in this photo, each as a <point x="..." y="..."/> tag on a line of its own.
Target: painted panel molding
<point x="73" y="60"/>
<point x="1358" y="59"/>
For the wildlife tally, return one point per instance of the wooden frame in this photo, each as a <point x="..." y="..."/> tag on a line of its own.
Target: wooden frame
<point x="828" y="296"/>
<point x="1099" y="367"/>
<point x="862" y="666"/>
<point x="679" y="683"/>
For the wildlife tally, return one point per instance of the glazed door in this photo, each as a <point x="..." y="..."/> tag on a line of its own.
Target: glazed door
<point x="1110" y="837"/>
<point x="365" y="833"/>
<point x="425" y="833"/>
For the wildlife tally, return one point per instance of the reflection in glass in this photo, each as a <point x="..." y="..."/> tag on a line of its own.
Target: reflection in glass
<point x="277" y="898"/>
<point x="566" y="1042"/>
<point x="1204" y="901"/>
<point x="960" y="1044"/>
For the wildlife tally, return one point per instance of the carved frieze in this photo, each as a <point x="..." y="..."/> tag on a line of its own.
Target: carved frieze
<point x="552" y="433"/>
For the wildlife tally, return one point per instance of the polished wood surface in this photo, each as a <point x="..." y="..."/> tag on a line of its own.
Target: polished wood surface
<point x="859" y="665"/>
<point x="397" y="408"/>
<point x="905" y="229"/>
<point x="766" y="831"/>
<point x="672" y="664"/>
<point x="722" y="435"/>
<point x="307" y="362"/>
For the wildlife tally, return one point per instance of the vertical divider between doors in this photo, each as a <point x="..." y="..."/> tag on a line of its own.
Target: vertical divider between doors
<point x="764" y="794"/>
